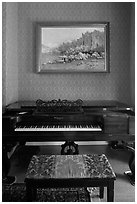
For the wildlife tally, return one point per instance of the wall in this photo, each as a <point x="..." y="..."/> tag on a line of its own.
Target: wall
<point x="9" y="53"/>
<point x="132" y="55"/>
<point x="4" y="54"/>
<point x="31" y="86"/>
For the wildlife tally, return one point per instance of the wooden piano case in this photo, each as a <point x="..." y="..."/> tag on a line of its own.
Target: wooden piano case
<point x="116" y="123"/>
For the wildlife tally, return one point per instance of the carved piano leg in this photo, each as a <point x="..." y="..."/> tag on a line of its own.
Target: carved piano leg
<point x="69" y="148"/>
<point x="6" y="166"/>
<point x="131" y="174"/>
<point x="131" y="163"/>
<point x="5" y="161"/>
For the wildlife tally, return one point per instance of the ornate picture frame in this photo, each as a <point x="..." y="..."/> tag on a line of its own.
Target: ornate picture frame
<point x="72" y="47"/>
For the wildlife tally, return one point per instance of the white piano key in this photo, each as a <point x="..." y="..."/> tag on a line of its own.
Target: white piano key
<point x="58" y="128"/>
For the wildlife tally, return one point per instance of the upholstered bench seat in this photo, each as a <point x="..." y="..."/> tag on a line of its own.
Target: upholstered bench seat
<point x="64" y="171"/>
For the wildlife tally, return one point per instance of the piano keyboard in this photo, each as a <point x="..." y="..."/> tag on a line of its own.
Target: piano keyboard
<point x="60" y="128"/>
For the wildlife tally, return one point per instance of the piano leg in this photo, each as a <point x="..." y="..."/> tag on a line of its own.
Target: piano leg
<point x="6" y="167"/>
<point x="69" y="148"/>
<point x="5" y="162"/>
<point x="130" y="174"/>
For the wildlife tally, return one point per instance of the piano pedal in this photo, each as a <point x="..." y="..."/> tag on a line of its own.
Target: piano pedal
<point x="69" y="148"/>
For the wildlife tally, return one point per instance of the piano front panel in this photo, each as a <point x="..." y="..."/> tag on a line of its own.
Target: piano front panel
<point x="116" y="123"/>
<point x="132" y="125"/>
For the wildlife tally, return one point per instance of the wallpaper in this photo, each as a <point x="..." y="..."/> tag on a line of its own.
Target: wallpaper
<point x="4" y="54"/>
<point x="87" y="86"/>
<point x="10" y="55"/>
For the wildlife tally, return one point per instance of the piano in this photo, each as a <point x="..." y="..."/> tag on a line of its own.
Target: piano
<point x="68" y="121"/>
<point x="63" y="120"/>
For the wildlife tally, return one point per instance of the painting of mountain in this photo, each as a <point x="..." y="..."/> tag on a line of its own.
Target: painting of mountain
<point x="74" y="48"/>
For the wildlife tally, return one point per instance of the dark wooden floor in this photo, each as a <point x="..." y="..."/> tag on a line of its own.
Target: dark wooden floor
<point x="124" y="191"/>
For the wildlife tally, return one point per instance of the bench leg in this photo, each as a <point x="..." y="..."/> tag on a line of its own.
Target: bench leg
<point x="101" y="192"/>
<point x="110" y="191"/>
<point x="34" y="193"/>
<point x="29" y="193"/>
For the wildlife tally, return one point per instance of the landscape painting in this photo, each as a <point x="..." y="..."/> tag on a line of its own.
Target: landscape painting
<point x="72" y="48"/>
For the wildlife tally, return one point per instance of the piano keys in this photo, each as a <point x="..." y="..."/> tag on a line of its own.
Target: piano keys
<point x="59" y="128"/>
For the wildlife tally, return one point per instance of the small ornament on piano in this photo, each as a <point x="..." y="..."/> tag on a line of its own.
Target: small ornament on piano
<point x="59" y="106"/>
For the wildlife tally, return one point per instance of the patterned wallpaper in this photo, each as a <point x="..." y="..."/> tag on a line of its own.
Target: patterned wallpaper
<point x="3" y="54"/>
<point x="9" y="53"/>
<point x="88" y="86"/>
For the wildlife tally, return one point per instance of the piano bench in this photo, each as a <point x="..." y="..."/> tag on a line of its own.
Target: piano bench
<point x="66" y="171"/>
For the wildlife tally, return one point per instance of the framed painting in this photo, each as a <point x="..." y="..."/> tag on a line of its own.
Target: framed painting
<point x="72" y="47"/>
